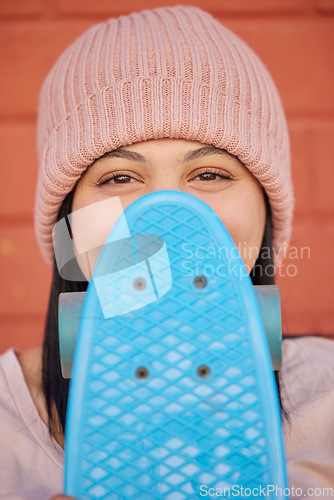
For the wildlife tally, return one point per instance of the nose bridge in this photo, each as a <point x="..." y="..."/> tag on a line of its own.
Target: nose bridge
<point x="165" y="180"/>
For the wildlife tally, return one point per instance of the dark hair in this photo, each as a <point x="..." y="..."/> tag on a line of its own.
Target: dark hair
<point x="55" y="387"/>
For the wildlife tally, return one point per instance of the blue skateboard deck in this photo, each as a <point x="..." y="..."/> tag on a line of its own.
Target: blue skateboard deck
<point x="172" y="389"/>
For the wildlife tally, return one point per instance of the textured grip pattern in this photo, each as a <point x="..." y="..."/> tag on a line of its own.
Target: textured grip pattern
<point x="180" y="426"/>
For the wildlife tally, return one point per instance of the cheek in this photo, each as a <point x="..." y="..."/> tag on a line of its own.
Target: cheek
<point x="94" y="214"/>
<point x="244" y="219"/>
<point x="91" y="225"/>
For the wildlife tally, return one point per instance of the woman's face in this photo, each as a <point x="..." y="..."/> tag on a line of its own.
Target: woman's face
<point x="211" y="174"/>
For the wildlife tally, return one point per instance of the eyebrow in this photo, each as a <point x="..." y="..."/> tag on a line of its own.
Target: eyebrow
<point x="205" y="151"/>
<point x="190" y="156"/>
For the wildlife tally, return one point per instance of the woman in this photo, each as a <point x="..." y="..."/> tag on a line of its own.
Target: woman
<point x="162" y="99"/>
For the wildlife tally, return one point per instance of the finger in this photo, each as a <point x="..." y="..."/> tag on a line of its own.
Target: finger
<point x="62" y="497"/>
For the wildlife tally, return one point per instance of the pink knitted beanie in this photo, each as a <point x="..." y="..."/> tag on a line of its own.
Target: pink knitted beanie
<point x="169" y="72"/>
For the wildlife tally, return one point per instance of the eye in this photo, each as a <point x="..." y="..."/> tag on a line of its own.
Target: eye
<point x="116" y="178"/>
<point x="212" y="175"/>
<point x="208" y="176"/>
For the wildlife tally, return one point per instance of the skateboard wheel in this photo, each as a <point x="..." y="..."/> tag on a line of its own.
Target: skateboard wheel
<point x="70" y="306"/>
<point x="268" y="299"/>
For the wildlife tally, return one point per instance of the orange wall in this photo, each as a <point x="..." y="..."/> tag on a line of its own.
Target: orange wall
<point x="295" y="39"/>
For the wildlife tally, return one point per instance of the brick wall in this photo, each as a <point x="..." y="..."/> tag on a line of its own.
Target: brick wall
<point x="295" y="39"/>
